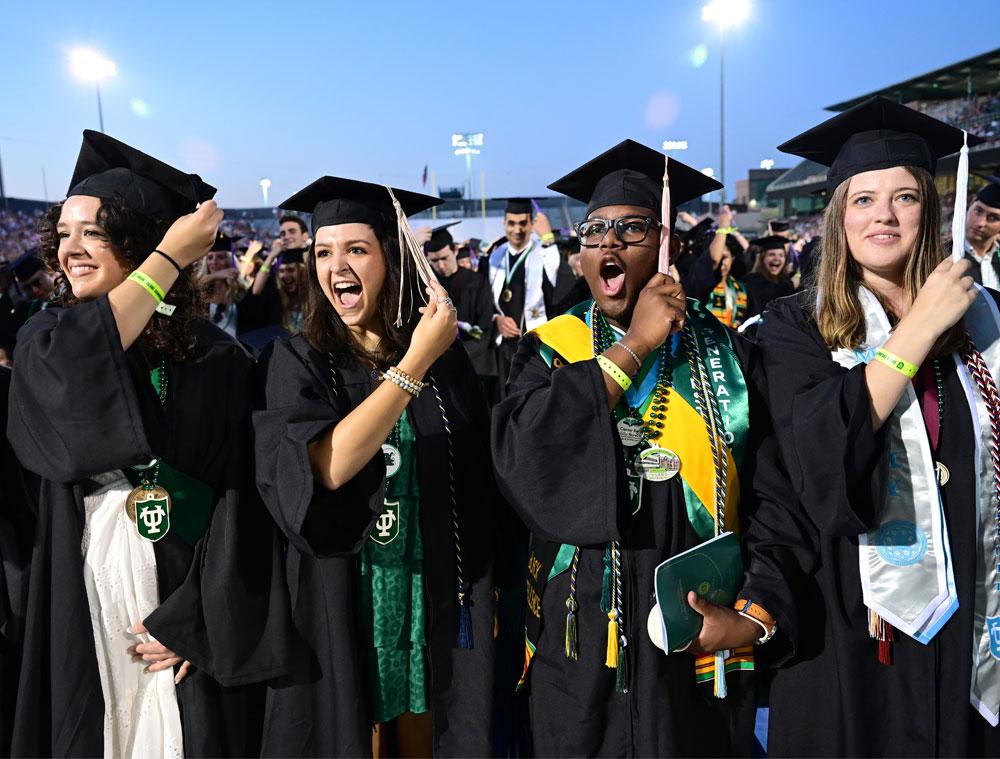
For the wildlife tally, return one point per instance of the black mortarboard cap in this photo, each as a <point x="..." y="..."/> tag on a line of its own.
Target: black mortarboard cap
<point x="876" y="134"/>
<point x="990" y="194"/>
<point x="225" y="242"/>
<point x="698" y="229"/>
<point x="632" y="174"/>
<point x="293" y="256"/>
<point x="779" y="225"/>
<point x="463" y="252"/>
<point x="440" y="236"/>
<point x="519" y="206"/>
<point x="336" y="200"/>
<point x="25" y="266"/>
<point x="108" y="168"/>
<point x="568" y="245"/>
<point x="771" y="242"/>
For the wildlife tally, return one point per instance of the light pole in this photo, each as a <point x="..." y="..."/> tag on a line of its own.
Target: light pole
<point x="90" y="66"/>
<point x="725" y="14"/>
<point x="468" y="144"/>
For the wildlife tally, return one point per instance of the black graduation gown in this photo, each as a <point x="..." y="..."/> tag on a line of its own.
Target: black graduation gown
<point x="559" y="464"/>
<point x="553" y="293"/>
<point x="474" y="301"/>
<point x="18" y="509"/>
<point x="761" y="291"/>
<point x="322" y="708"/>
<point x="80" y="405"/>
<point x="829" y="695"/>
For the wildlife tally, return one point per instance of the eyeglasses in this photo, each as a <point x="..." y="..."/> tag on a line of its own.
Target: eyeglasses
<point x="629" y="229"/>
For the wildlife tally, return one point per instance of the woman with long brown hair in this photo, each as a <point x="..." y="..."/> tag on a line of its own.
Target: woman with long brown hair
<point x="149" y="580"/>
<point x="220" y="282"/>
<point x="883" y="394"/>
<point x="372" y="455"/>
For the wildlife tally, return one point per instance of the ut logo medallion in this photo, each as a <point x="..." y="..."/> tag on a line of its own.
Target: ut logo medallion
<point x="387" y="525"/>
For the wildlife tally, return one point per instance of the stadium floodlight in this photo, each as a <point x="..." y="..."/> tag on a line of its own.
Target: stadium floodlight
<point x="468" y="145"/>
<point x="725" y="14"/>
<point x="767" y="164"/>
<point x="675" y="145"/>
<point x="90" y="66"/>
<point x="265" y="185"/>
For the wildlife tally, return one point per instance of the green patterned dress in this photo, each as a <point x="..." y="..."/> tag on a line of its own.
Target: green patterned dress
<point x="392" y="587"/>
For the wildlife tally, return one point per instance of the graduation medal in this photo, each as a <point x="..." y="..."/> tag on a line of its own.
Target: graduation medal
<point x="657" y="464"/>
<point x="507" y="295"/>
<point x="393" y="459"/>
<point x="630" y="430"/>
<point x="148" y="507"/>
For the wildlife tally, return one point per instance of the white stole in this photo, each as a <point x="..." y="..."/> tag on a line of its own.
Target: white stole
<point x="141" y="717"/>
<point x="540" y="261"/>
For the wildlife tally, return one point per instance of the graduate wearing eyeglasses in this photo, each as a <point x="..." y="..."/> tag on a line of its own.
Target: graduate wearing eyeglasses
<point x="625" y="440"/>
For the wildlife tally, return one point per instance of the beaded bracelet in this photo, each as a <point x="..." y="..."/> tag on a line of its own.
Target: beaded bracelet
<point x="149" y="285"/>
<point x="893" y="361"/>
<point x="400" y="383"/>
<point x="614" y="371"/>
<point x="400" y="378"/>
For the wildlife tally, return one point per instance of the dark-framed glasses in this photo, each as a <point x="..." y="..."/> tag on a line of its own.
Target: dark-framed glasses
<point x="628" y="229"/>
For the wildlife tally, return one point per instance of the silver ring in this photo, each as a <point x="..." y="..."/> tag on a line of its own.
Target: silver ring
<point x="446" y="302"/>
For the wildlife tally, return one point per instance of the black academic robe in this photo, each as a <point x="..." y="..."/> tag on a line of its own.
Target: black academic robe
<point x="80" y="405"/>
<point x="473" y="299"/>
<point x="559" y="464"/>
<point x="553" y="293"/>
<point x="829" y="695"/>
<point x="18" y="509"/>
<point x="322" y="708"/>
<point x="761" y="291"/>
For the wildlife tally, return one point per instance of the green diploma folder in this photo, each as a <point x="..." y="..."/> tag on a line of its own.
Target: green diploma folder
<point x="713" y="570"/>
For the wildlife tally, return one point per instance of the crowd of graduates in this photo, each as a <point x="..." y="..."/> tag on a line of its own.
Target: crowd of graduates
<point x="372" y="491"/>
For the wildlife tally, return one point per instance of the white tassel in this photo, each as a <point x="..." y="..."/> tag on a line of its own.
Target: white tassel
<point x="664" y="267"/>
<point x="408" y="244"/>
<point x="961" y="201"/>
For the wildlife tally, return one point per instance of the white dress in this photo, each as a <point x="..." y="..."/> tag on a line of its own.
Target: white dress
<point x="141" y="718"/>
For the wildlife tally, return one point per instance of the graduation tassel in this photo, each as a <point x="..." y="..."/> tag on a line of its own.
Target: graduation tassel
<point x="606" y="582"/>
<point x="408" y="246"/>
<point x="464" y="619"/>
<point x="611" y="659"/>
<point x="572" y="653"/>
<point x="720" y="689"/>
<point x="881" y="631"/>
<point x="621" y="675"/>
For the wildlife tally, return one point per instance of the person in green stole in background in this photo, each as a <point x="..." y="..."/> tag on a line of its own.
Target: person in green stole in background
<point x="618" y="462"/>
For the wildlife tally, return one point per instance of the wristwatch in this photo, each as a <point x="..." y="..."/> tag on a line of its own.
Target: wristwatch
<point x="757" y="614"/>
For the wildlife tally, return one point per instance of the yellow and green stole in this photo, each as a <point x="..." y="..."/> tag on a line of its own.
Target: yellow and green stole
<point x="568" y="339"/>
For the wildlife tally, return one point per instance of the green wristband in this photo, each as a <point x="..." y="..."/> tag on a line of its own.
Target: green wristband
<point x="614" y="371"/>
<point x="902" y="366"/>
<point x="149" y="285"/>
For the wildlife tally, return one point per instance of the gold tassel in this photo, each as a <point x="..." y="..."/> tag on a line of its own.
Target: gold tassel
<point x="611" y="660"/>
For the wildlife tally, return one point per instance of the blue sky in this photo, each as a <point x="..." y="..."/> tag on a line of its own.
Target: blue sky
<point x="374" y="90"/>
